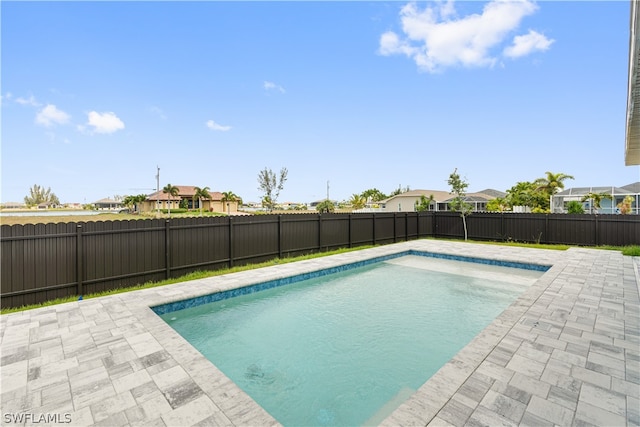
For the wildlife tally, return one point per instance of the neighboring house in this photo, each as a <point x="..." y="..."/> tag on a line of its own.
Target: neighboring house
<point x="47" y="205"/>
<point x="406" y="202"/>
<point x="108" y="204"/>
<point x="13" y="205"/>
<point x="160" y="200"/>
<point x="607" y="206"/>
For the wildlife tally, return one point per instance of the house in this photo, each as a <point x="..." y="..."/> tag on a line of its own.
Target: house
<point x="607" y="206"/>
<point x="13" y="205"/>
<point x="632" y="134"/>
<point x="406" y="202"/>
<point x="108" y="204"/>
<point x="161" y="200"/>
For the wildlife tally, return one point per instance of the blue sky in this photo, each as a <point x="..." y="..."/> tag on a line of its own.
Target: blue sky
<point x="96" y="95"/>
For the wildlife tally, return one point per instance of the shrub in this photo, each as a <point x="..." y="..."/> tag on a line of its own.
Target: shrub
<point x="575" y="207"/>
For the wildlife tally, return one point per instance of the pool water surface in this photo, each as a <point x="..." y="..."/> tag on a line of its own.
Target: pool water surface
<point x="348" y="348"/>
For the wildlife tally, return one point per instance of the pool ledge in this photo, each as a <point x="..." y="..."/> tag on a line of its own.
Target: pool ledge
<point x="566" y="352"/>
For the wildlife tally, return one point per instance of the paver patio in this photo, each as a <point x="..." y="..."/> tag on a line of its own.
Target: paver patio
<point x="567" y="352"/>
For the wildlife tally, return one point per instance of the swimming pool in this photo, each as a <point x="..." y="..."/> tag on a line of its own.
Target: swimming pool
<point x="346" y="347"/>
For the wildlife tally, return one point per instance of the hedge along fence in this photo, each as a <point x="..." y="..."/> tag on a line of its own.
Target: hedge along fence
<point x="46" y="261"/>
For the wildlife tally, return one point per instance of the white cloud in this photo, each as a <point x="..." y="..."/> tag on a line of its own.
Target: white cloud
<point x="269" y="86"/>
<point x="435" y="38"/>
<point x="28" y="101"/>
<point x="104" y="122"/>
<point x="524" y="45"/>
<point x="50" y="115"/>
<point x="215" y="126"/>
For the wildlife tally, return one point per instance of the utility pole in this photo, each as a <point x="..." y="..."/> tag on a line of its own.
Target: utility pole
<point x="158" y="191"/>
<point x="327" y="190"/>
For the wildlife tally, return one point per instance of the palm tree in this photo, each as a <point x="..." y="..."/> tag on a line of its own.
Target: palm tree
<point x="552" y="182"/>
<point x="326" y="206"/>
<point x="229" y="197"/>
<point x="170" y="190"/>
<point x="596" y="199"/>
<point x="201" y="193"/>
<point x="357" y="202"/>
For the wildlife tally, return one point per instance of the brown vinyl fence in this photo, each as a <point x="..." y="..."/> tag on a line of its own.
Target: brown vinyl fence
<point x="46" y="261"/>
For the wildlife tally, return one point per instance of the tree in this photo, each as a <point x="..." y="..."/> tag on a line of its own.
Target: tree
<point x="201" y="193"/>
<point x="595" y="199"/>
<point x="39" y="195"/>
<point x="229" y="197"/>
<point x="131" y="202"/>
<point x="373" y="195"/>
<point x="575" y="207"/>
<point x="425" y="203"/>
<point x="552" y="182"/>
<point x="626" y="205"/>
<point x="527" y="194"/>
<point x="498" y="204"/>
<point x="458" y="204"/>
<point x="170" y="190"/>
<point x="325" y="206"/>
<point x="271" y="186"/>
<point x="357" y="202"/>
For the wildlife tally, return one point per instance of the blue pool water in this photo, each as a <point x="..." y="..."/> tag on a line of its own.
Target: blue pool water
<point x="348" y="348"/>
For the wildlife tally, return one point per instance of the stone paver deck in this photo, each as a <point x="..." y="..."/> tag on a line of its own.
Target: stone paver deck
<point x="567" y="352"/>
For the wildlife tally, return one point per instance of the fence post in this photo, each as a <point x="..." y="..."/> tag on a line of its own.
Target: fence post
<point x="374" y="229"/>
<point x="229" y="218"/>
<point x="406" y="226"/>
<point x="597" y="239"/>
<point x="279" y="236"/>
<point x="395" y="231"/>
<point x="79" y="265"/>
<point x="350" y="234"/>
<point x="167" y="249"/>
<point x="546" y="228"/>
<point x="434" y="225"/>
<point x="319" y="232"/>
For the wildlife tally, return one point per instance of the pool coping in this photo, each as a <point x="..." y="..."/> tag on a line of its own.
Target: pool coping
<point x="564" y="352"/>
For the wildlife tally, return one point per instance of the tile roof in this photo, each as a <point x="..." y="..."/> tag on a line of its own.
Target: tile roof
<point x="184" y="192"/>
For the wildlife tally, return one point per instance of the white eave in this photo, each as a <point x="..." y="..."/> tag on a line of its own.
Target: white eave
<point x="632" y="148"/>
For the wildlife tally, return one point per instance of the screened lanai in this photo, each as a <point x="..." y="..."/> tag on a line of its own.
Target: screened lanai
<point x="607" y="206"/>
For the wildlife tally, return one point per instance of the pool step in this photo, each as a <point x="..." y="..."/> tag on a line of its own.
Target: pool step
<point x="390" y="406"/>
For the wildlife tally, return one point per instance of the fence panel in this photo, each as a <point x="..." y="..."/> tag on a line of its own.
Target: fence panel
<point x="524" y="228"/>
<point x="362" y="229"/>
<point x="571" y="229"/>
<point x="618" y="230"/>
<point x="384" y="228"/>
<point x="449" y="225"/>
<point x="484" y="226"/>
<point x="37" y="263"/>
<point x="198" y="244"/>
<point x="255" y="238"/>
<point x="335" y="231"/>
<point x="121" y="253"/>
<point x="300" y="234"/>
